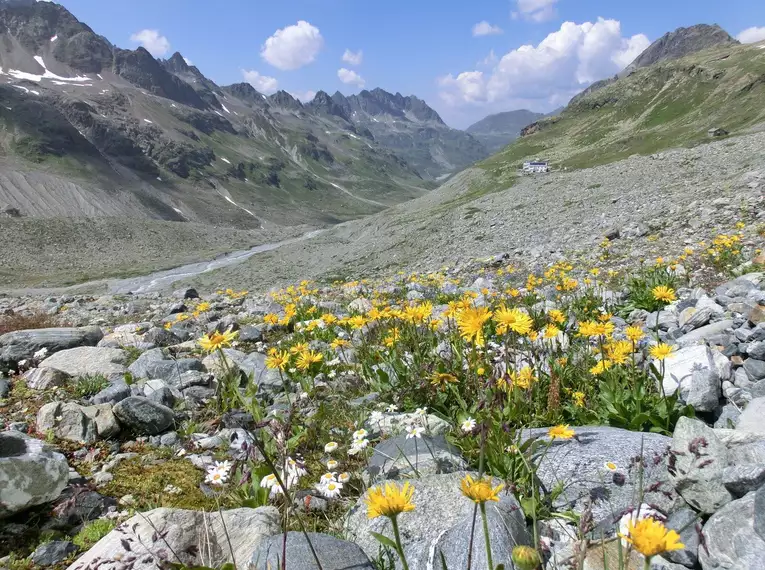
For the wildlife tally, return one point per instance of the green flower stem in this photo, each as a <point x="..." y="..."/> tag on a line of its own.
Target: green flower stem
<point x="486" y="535"/>
<point x="647" y="565"/>
<point x="400" y="548"/>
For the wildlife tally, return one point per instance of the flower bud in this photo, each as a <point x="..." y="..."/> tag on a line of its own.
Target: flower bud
<point x="526" y="558"/>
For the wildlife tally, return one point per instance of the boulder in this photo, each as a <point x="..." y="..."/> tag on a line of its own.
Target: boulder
<point x="700" y="335"/>
<point x="333" y="553"/>
<point x="21" y="345"/>
<point x="755" y="369"/>
<point x="51" y="553"/>
<point x="253" y="364"/>
<point x="66" y="420"/>
<point x="198" y="538"/>
<point x="112" y="394"/>
<point x="730" y="536"/>
<point x="399" y="457"/>
<point x="742" y="479"/>
<point x="152" y="364"/>
<point x="694" y="317"/>
<point x="89" y="360"/>
<point x="30" y="473"/>
<point x="752" y="419"/>
<point x="697" y="372"/>
<point x="44" y="378"/>
<point x="143" y="416"/>
<point x="395" y="424"/>
<point x="580" y="464"/>
<point x="688" y="525"/>
<point x="698" y="459"/>
<point x="440" y="506"/>
<point x="104" y="418"/>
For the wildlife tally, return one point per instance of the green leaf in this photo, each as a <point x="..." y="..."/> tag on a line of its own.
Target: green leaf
<point x="443" y="560"/>
<point x="384" y="540"/>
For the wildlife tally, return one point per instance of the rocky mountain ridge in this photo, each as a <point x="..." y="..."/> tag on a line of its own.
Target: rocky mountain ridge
<point x="499" y="129"/>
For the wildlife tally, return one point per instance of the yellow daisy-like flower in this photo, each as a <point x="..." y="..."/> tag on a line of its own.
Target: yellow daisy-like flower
<point x="357" y="321"/>
<point x="600" y="367"/>
<point x="650" y="537"/>
<point x="392" y="337"/>
<point x="329" y="318"/>
<point x="634" y="333"/>
<point x="561" y="432"/>
<point x="557" y="316"/>
<point x="340" y="343"/>
<point x="480" y="491"/>
<point x="619" y="351"/>
<point x="168" y="326"/>
<point x="442" y="379"/>
<point x="214" y="341"/>
<point x="471" y="321"/>
<point x="307" y="358"/>
<point x="524" y="378"/>
<point x="389" y="500"/>
<point x="661" y="351"/>
<point x="663" y="293"/>
<point x="578" y="398"/>
<point x="278" y="360"/>
<point x="512" y="320"/>
<point x="418" y="313"/>
<point x="551" y="331"/>
<point x="271" y="319"/>
<point x="203" y="306"/>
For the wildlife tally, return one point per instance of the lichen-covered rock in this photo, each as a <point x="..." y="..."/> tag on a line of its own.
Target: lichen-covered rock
<point x="399" y="457"/>
<point x="333" y="553"/>
<point x="697" y="462"/>
<point x="196" y="537"/>
<point x="67" y="420"/>
<point x="30" y="473"/>
<point x="21" y="345"/>
<point x="730" y="535"/>
<point x="143" y="416"/>
<point x="89" y="360"/>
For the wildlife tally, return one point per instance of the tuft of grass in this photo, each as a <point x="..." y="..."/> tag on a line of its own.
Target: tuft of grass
<point x="19" y="322"/>
<point x="90" y="385"/>
<point x="92" y="532"/>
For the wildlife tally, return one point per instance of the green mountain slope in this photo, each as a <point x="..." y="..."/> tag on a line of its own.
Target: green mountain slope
<point x="665" y="105"/>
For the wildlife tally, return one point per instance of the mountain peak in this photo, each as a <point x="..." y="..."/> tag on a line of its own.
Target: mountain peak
<point x="682" y="42"/>
<point x="177" y="63"/>
<point x="283" y="99"/>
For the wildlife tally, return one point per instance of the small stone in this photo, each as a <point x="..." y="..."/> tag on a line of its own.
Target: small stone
<point x="53" y="552"/>
<point x="756" y="350"/>
<point x="44" y="378"/>
<point x="755" y="369"/>
<point x="742" y="479"/>
<point x="143" y="416"/>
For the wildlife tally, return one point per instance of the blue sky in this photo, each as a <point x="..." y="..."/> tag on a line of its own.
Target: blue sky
<point x="420" y="47"/>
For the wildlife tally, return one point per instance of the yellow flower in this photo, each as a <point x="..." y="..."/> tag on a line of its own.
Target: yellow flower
<point x="523" y="378"/>
<point x="357" y="321"/>
<point x="329" y="319"/>
<point x="600" y="367"/>
<point x="216" y="340"/>
<point x="203" y="306"/>
<point x="271" y="319"/>
<point x="578" y="398"/>
<point x="481" y="490"/>
<point x="441" y="379"/>
<point x="418" y="313"/>
<point x="278" y="360"/>
<point x="512" y="320"/>
<point x="181" y="317"/>
<point x="526" y="558"/>
<point x="298" y="348"/>
<point x="551" y="331"/>
<point x="595" y="329"/>
<point x="634" y="333"/>
<point x="561" y="432"/>
<point x="659" y="261"/>
<point x="392" y="337"/>
<point x="307" y="358"/>
<point x="650" y="537"/>
<point x="663" y="293"/>
<point x="557" y="316"/>
<point x="661" y="351"/>
<point x="618" y="351"/>
<point x="168" y="326"/>
<point x="471" y="321"/>
<point x="340" y="343"/>
<point x="389" y="500"/>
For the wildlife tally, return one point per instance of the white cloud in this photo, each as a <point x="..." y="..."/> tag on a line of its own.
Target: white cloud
<point x="486" y="29"/>
<point x="489" y="61"/>
<point x="535" y="10"/>
<point x="293" y="47"/>
<point x="155" y="43"/>
<point x="188" y="61"/>
<point x="752" y="35"/>
<point x="305" y="96"/>
<point x="262" y="83"/>
<point x="549" y="73"/>
<point x="350" y="77"/>
<point x="353" y="58"/>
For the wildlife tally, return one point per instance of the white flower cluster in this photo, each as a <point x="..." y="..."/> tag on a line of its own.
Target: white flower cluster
<point x="359" y="442"/>
<point x="217" y="473"/>
<point x="295" y="470"/>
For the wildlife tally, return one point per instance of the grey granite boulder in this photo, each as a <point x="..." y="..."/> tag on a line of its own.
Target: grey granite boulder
<point x="253" y="365"/>
<point x="755" y="369"/>
<point x="51" y="553"/>
<point x="112" y="394"/>
<point x="731" y="539"/>
<point x="333" y="553"/>
<point x="143" y="416"/>
<point x="440" y="507"/>
<point x="67" y="420"/>
<point x="700" y="335"/>
<point x="44" y="378"/>
<point x="399" y="457"/>
<point x="579" y="465"/>
<point x="697" y="461"/>
<point x="89" y="360"/>
<point x="152" y="364"/>
<point x="196" y="537"/>
<point x="697" y="372"/>
<point x="30" y="473"/>
<point x="743" y="479"/>
<point x="752" y="419"/>
<point x="20" y="345"/>
<point x="104" y="418"/>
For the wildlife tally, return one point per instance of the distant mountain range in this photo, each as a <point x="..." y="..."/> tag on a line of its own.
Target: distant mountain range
<point x="500" y="129"/>
<point x="87" y="128"/>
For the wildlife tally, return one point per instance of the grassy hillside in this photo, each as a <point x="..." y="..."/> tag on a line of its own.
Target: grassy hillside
<point x="666" y="105"/>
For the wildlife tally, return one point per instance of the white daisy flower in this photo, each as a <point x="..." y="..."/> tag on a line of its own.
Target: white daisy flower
<point x="330" y="447"/>
<point x="327" y="478"/>
<point x="376" y="417"/>
<point x="268" y="481"/>
<point x="331" y="489"/>
<point x="392" y="408"/>
<point x="414" y="432"/>
<point x="359" y="434"/>
<point x="344" y="477"/>
<point x="468" y="425"/>
<point x="332" y="464"/>
<point x="421" y="412"/>
<point x="276" y="490"/>
<point x="611" y="466"/>
<point x="296" y="468"/>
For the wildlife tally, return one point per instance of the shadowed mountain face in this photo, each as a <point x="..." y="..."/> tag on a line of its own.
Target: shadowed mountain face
<point x="500" y="129"/>
<point x="117" y="132"/>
